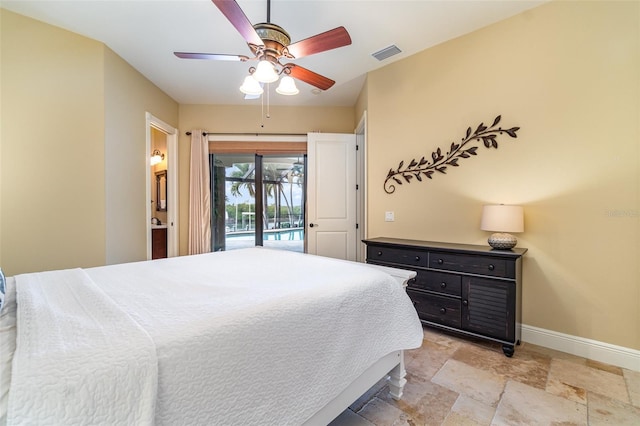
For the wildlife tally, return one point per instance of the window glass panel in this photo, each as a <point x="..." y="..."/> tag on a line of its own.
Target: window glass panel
<point x="236" y="218"/>
<point x="283" y="195"/>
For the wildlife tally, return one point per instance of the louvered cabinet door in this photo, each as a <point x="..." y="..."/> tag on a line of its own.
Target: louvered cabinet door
<point x="488" y="307"/>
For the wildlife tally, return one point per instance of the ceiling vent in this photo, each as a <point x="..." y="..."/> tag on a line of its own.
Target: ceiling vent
<point x="387" y="52"/>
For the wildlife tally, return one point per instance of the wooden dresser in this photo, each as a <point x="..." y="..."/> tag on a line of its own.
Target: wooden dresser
<point x="470" y="289"/>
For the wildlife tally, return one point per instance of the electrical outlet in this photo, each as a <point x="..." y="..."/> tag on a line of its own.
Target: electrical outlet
<point x="389" y="217"/>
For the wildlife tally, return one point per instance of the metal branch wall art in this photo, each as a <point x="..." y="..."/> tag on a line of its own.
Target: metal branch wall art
<point x="439" y="162"/>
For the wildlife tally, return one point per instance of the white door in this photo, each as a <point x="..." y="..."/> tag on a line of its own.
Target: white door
<point x="331" y="195"/>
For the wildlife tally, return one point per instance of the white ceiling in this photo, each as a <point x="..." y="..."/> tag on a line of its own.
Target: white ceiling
<point x="146" y="33"/>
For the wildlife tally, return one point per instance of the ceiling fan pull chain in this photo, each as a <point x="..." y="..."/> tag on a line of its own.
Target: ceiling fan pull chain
<point x="268" y="100"/>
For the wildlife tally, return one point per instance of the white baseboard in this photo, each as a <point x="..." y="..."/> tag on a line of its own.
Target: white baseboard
<point x="586" y="348"/>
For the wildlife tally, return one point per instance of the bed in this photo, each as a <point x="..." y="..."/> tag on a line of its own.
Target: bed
<point x="250" y="336"/>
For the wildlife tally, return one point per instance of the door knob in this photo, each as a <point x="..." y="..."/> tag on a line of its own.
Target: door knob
<point x="311" y="225"/>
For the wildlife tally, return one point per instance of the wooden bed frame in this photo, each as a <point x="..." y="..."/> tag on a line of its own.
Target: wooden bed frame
<point x="391" y="365"/>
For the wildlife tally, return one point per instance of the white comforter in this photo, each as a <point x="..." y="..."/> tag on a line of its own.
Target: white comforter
<point x="253" y="336"/>
<point x="78" y="356"/>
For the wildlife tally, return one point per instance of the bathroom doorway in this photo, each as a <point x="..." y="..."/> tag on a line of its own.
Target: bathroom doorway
<point x="162" y="189"/>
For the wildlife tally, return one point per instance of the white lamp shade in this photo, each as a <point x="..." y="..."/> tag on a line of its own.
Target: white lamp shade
<point x="502" y="218"/>
<point x="287" y="86"/>
<point x="250" y="86"/>
<point x="265" y="72"/>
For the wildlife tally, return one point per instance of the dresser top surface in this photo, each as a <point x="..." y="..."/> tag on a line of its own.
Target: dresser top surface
<point x="468" y="248"/>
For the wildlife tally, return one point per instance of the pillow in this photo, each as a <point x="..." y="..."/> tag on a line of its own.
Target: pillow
<point x="3" y="288"/>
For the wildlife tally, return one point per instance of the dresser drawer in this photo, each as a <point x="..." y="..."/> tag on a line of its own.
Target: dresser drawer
<point x="440" y="309"/>
<point x="438" y="282"/>
<point x="397" y="255"/>
<point x="490" y="266"/>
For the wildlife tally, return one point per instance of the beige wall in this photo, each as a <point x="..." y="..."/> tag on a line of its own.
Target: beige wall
<point x="72" y="150"/>
<point x="128" y="95"/>
<point x="567" y="73"/>
<point x="52" y="211"/>
<point x="248" y="119"/>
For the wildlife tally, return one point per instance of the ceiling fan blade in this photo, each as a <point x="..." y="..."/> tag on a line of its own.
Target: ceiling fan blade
<point x="328" y="40"/>
<point x="239" y="20"/>
<point x="309" y="77"/>
<point x="211" y="56"/>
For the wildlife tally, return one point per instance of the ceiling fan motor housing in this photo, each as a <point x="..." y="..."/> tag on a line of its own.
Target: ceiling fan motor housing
<point x="275" y="40"/>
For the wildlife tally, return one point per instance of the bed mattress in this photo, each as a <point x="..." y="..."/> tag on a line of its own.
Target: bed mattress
<point x="251" y="336"/>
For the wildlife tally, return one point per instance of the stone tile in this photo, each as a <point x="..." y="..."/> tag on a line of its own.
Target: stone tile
<point x="608" y="411"/>
<point x="430" y="358"/>
<point x="468" y="411"/>
<point x="551" y="353"/>
<point x="349" y="418"/>
<point x="381" y="413"/>
<point x="470" y="381"/>
<point x="525" y="405"/>
<point x="456" y="419"/>
<point x="632" y="379"/>
<point x="588" y="378"/>
<point x="381" y="386"/>
<point x="424" y="402"/>
<point x="566" y="391"/>
<point x="604" y="367"/>
<point x="527" y="367"/>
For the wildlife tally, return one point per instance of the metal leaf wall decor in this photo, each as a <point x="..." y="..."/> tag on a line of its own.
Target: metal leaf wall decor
<point x="438" y="162"/>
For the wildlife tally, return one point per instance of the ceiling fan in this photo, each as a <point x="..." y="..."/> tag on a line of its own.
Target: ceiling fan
<point x="270" y="44"/>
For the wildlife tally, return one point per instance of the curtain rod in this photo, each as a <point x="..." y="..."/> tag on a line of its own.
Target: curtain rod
<point x="250" y="134"/>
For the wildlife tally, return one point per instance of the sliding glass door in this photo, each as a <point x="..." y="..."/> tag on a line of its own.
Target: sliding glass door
<point x="257" y="200"/>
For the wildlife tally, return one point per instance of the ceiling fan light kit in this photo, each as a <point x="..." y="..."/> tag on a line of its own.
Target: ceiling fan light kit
<point x="250" y="86"/>
<point x="287" y="86"/>
<point x="270" y="43"/>
<point x="265" y="72"/>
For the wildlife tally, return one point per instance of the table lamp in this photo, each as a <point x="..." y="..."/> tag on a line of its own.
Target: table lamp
<point x="502" y="219"/>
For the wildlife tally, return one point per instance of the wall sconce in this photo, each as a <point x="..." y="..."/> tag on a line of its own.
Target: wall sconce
<point x="156" y="157"/>
<point x="502" y="219"/>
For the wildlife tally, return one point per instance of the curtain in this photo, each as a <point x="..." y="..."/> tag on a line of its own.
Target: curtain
<point x="199" y="195"/>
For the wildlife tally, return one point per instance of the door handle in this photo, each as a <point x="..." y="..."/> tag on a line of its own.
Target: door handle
<point x="311" y="225"/>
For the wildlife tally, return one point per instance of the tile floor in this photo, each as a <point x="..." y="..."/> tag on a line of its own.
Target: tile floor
<point x="459" y="381"/>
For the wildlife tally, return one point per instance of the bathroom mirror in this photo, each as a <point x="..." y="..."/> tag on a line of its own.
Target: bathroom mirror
<point x="161" y="191"/>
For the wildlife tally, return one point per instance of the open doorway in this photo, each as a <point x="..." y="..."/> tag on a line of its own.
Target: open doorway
<point x="162" y="188"/>
<point x="258" y="200"/>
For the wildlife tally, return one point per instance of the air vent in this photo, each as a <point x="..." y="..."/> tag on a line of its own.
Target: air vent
<point x="387" y="52"/>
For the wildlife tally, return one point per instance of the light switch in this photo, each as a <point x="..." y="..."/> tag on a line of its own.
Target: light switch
<point x="389" y="217"/>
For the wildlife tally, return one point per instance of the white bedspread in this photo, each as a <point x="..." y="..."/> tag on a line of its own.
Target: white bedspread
<point x="257" y="336"/>
<point x="78" y="356"/>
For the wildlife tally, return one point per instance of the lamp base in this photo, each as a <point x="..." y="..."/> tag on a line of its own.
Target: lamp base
<point x="502" y="241"/>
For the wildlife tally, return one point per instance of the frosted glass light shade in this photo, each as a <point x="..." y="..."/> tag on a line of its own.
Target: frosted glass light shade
<point x="287" y="86"/>
<point x="156" y="157"/>
<point x="250" y="86"/>
<point x="265" y="72"/>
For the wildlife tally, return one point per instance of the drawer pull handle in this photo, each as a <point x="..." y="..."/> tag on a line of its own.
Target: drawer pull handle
<point x="440" y="261"/>
<point x="491" y="267"/>
<point x="443" y="310"/>
<point x="417" y="258"/>
<point x="443" y="285"/>
<point x="379" y="253"/>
